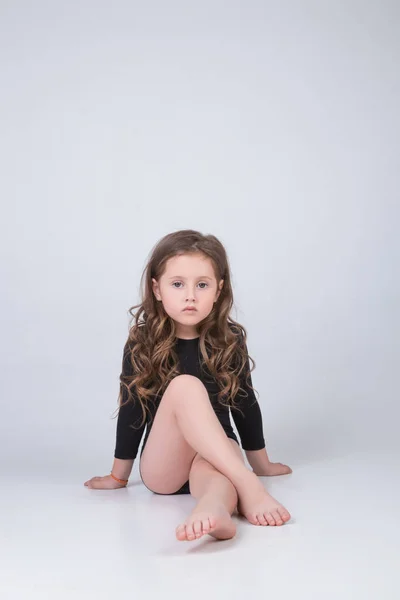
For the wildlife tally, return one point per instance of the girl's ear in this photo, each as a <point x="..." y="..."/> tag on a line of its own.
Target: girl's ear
<point x="156" y="288"/>
<point x="220" y="286"/>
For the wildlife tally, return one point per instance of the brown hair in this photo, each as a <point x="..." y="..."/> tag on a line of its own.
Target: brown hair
<point x="149" y="357"/>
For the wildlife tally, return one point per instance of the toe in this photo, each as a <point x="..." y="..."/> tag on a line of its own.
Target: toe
<point x="284" y="514"/>
<point x="197" y="528"/>
<point x="206" y="525"/>
<point x="253" y="519"/>
<point x="270" y="518"/>
<point x="277" y="517"/>
<point x="261" y="519"/>
<point x="180" y="532"/>
<point x="189" y="532"/>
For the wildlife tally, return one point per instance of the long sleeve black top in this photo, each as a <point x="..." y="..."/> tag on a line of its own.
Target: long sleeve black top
<point x="249" y="425"/>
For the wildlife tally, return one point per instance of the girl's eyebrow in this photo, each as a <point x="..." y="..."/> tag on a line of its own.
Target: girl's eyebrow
<point x="200" y="277"/>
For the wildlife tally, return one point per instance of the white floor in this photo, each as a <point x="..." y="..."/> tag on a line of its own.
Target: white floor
<point x="60" y="540"/>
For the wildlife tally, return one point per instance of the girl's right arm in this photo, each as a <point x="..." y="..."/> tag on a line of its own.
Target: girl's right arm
<point x="128" y="438"/>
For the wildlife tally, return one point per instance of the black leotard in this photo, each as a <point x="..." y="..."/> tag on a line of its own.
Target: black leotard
<point x="249" y="425"/>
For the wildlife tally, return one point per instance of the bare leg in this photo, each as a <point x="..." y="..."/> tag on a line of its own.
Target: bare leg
<point x="197" y="422"/>
<point x="259" y="507"/>
<point x="217" y="500"/>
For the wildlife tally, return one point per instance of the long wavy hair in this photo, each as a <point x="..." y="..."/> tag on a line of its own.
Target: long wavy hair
<point x="150" y="360"/>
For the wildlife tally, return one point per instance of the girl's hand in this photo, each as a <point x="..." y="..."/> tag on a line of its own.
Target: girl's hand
<point x="103" y="483"/>
<point x="273" y="469"/>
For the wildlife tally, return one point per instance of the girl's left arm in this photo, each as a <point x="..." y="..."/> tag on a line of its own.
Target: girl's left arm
<point x="250" y="428"/>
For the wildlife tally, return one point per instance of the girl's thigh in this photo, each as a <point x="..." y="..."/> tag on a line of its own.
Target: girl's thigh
<point x="167" y="457"/>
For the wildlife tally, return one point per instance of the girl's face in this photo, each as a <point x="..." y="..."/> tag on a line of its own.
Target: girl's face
<point x="189" y="280"/>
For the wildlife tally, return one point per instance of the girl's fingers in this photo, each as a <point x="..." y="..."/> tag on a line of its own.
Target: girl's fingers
<point x="89" y="482"/>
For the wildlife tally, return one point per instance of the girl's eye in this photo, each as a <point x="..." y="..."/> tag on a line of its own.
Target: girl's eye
<point x="201" y="283"/>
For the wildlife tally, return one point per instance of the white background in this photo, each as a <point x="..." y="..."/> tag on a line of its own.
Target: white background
<point x="275" y="127"/>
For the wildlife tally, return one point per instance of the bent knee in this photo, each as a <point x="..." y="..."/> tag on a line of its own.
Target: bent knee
<point x="184" y="381"/>
<point x="186" y="377"/>
<point x="182" y="387"/>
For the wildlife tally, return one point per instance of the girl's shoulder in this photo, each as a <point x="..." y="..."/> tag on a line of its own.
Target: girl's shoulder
<point x="132" y="344"/>
<point x="136" y="336"/>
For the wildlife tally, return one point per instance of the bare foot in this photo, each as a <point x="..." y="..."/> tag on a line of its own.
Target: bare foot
<point x="214" y="520"/>
<point x="259" y="507"/>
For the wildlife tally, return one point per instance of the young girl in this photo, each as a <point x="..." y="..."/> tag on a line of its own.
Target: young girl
<point x="185" y="366"/>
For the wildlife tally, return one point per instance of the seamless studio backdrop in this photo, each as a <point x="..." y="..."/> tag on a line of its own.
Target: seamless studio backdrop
<point x="274" y="127"/>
